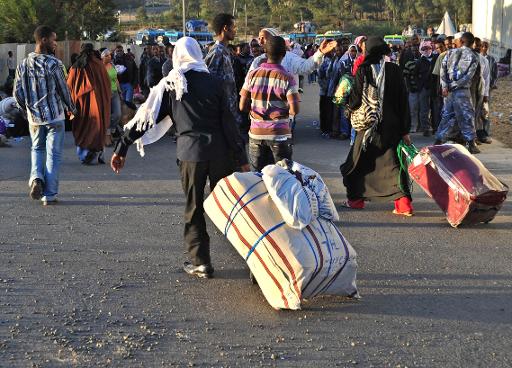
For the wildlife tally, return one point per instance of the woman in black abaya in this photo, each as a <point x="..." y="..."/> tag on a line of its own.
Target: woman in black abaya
<point x="372" y="170"/>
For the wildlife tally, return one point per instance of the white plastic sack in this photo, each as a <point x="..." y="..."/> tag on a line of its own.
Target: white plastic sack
<point x="289" y="264"/>
<point x="301" y="196"/>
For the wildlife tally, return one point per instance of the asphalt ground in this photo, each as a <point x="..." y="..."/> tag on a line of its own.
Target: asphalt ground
<point x="97" y="281"/>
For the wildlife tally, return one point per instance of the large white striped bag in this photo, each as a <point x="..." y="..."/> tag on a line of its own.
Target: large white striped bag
<point x="289" y="264"/>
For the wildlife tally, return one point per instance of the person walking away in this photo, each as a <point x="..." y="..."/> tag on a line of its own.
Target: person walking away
<point x="325" y="108"/>
<point x="371" y="171"/>
<point x="45" y="100"/>
<point x="208" y="139"/>
<point x="425" y="84"/>
<point x="128" y="78"/>
<point x="90" y="89"/>
<point x="219" y="60"/>
<point x="457" y="71"/>
<point x="271" y="95"/>
<point x="113" y="132"/>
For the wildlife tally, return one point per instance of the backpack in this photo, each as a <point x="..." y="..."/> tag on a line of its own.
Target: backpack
<point x="343" y="90"/>
<point x="369" y="114"/>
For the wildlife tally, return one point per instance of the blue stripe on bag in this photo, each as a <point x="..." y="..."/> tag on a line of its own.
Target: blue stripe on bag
<point x="231" y="220"/>
<point x="275" y="227"/>
<point x="228" y="223"/>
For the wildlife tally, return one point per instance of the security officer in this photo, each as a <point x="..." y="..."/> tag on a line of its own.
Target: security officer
<point x="457" y="72"/>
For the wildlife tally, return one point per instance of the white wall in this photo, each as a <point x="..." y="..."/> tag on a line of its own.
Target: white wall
<point x="492" y="21"/>
<point x="4" y="48"/>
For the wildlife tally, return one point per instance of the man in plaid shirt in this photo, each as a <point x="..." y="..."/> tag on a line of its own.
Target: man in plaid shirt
<point x="40" y="89"/>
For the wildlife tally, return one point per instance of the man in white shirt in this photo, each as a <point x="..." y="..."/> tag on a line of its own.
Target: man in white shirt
<point x="482" y="105"/>
<point x="293" y="63"/>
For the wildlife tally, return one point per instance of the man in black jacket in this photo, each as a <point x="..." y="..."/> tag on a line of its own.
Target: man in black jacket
<point x="209" y="145"/>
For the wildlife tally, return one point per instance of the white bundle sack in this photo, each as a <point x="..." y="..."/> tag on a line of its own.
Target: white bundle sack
<point x="299" y="193"/>
<point x="289" y="264"/>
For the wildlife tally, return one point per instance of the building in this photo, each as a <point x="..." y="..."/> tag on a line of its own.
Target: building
<point x="492" y="21"/>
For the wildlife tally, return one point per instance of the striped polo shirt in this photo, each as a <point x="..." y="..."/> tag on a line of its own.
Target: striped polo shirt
<point x="270" y="88"/>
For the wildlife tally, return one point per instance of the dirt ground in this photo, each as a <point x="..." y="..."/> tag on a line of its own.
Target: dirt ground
<point x="501" y="111"/>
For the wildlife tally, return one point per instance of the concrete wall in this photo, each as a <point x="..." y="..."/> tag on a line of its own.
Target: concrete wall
<point x="4" y="48"/>
<point x="492" y="21"/>
<point x="64" y="51"/>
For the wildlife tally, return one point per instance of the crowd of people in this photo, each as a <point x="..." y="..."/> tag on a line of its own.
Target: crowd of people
<point x="226" y="98"/>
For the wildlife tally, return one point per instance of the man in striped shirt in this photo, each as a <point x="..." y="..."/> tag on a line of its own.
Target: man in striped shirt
<point x="41" y="90"/>
<point x="271" y="95"/>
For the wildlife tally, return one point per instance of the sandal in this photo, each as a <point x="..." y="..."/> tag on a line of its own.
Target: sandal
<point x="346" y="204"/>
<point x="406" y="214"/>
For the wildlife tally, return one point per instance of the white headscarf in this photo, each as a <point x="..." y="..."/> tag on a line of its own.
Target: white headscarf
<point x="186" y="56"/>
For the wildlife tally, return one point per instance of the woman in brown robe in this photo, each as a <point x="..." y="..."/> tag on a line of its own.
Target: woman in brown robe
<point x="91" y="93"/>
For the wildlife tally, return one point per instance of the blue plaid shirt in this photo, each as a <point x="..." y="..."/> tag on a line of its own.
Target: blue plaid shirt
<point x="220" y="65"/>
<point x="41" y="89"/>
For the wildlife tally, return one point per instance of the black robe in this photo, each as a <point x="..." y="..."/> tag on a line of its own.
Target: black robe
<point x="374" y="173"/>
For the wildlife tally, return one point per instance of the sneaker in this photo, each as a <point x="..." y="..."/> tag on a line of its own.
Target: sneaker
<point x="50" y="202"/>
<point x="36" y="189"/>
<point x="204" y="271"/>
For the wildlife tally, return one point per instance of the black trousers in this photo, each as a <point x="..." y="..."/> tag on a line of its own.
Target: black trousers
<point x="325" y="114"/>
<point x="193" y="180"/>
<point x="267" y="152"/>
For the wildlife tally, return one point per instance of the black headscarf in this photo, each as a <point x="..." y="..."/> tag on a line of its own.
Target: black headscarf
<point x="376" y="48"/>
<point x="86" y="53"/>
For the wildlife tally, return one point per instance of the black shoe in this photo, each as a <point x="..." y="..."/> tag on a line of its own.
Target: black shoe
<point x="89" y="158"/>
<point x="36" y="189"/>
<point x="485" y="140"/>
<point x="438" y="142"/>
<point x="472" y="148"/>
<point x="427" y="133"/>
<point x="101" y="159"/>
<point x="204" y="271"/>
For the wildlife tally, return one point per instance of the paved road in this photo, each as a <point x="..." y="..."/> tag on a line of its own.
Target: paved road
<point x="97" y="280"/>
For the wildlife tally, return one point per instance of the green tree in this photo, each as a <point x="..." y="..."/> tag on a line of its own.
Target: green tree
<point x="140" y="15"/>
<point x="19" y="18"/>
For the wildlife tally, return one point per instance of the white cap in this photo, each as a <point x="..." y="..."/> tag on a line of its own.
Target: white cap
<point x="456" y="36"/>
<point x="271" y="31"/>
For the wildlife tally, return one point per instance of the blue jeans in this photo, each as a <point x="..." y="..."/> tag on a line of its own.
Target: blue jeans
<point x="46" y="156"/>
<point x="115" y="111"/>
<point x="127" y="92"/>
<point x="414" y="109"/>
